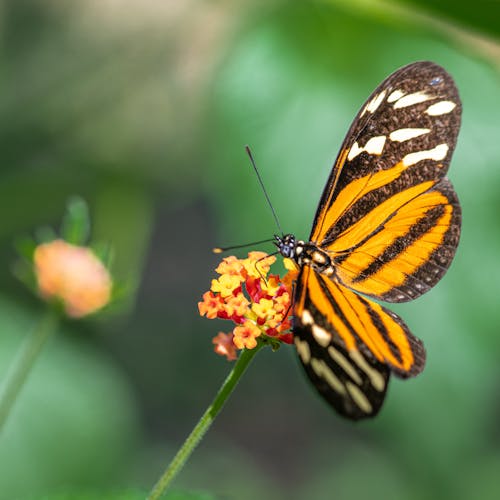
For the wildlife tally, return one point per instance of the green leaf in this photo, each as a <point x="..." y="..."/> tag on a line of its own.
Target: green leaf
<point x="480" y="15"/>
<point x="104" y="252"/>
<point x="25" y="247"/>
<point x="45" y="234"/>
<point x="76" y="222"/>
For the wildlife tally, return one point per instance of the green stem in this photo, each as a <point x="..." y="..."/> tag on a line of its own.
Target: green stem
<point x="25" y="360"/>
<point x="204" y="424"/>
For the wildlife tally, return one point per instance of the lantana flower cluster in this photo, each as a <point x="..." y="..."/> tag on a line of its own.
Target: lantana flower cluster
<point x="73" y="275"/>
<point x="259" y="304"/>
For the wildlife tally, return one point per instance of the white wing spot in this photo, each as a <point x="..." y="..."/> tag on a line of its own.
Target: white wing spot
<point x="319" y="258"/>
<point x="436" y="154"/>
<point x="373" y="105"/>
<point x="323" y="337"/>
<point x="394" y="96"/>
<point x="376" y="378"/>
<point x="405" y="134"/>
<point x="411" y="99"/>
<point x="359" y="398"/>
<point x="303" y="350"/>
<point x="441" y="108"/>
<point x="328" y="271"/>
<point x="354" y="151"/>
<point x="340" y="359"/>
<point x="321" y="369"/>
<point x="307" y="319"/>
<point x="374" y="146"/>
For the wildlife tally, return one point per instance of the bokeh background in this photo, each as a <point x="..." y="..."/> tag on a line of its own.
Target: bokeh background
<point x="143" y="108"/>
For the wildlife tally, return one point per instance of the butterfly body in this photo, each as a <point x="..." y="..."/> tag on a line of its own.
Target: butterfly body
<point x="387" y="227"/>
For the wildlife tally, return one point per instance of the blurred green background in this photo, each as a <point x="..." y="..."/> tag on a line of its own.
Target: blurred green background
<point x="143" y="108"/>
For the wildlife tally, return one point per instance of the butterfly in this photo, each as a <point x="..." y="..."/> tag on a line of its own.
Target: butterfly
<point x="386" y="228"/>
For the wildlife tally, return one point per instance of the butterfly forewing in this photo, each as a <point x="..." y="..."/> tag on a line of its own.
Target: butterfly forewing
<point x="389" y="223"/>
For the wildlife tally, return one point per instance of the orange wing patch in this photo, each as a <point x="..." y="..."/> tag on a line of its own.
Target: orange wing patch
<point x="408" y="252"/>
<point x="358" y="324"/>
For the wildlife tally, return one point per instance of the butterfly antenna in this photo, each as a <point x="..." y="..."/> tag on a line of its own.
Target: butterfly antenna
<point x="249" y="153"/>
<point x="232" y="247"/>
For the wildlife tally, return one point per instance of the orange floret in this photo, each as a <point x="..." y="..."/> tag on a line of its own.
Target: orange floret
<point x="211" y="306"/>
<point x="271" y="285"/>
<point x="258" y="264"/>
<point x="236" y="305"/>
<point x="245" y="336"/>
<point x="226" y="284"/>
<point x="230" y="265"/>
<point x="224" y="345"/>
<point x="282" y="303"/>
<point x="264" y="309"/>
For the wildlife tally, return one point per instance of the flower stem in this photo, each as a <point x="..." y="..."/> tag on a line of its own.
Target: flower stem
<point x="25" y="360"/>
<point x="204" y="423"/>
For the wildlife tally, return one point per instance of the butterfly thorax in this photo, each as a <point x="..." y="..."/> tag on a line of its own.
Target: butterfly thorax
<point x="305" y="254"/>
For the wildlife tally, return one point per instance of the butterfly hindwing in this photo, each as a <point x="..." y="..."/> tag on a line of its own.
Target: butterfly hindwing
<point x="348" y="345"/>
<point x="343" y="386"/>
<point x="388" y="212"/>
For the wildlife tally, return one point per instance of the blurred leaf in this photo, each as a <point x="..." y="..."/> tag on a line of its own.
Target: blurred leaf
<point x="25" y="247"/>
<point x="45" y="234"/>
<point x="73" y="425"/>
<point x="22" y="267"/>
<point x="472" y="33"/>
<point x="76" y="222"/>
<point x="123" y="218"/>
<point x="481" y="15"/>
<point x="104" y="252"/>
<point x="23" y="271"/>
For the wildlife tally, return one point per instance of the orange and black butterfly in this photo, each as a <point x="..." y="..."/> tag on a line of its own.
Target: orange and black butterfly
<point x="387" y="227"/>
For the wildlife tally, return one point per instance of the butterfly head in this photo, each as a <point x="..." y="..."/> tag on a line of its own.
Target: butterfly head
<point x="287" y="245"/>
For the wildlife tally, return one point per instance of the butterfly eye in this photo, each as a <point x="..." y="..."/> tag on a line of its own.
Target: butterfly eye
<point x="287" y="245"/>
